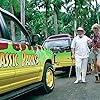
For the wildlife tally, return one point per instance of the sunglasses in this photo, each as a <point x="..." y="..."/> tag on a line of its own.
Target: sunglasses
<point x="95" y="28"/>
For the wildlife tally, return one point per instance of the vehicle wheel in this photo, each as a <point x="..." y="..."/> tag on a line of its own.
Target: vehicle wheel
<point x="48" y="78"/>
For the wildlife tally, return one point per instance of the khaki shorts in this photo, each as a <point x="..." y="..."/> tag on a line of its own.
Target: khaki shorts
<point x="95" y="54"/>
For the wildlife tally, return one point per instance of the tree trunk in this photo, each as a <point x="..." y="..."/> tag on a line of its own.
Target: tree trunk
<point x="75" y="25"/>
<point x="12" y="25"/>
<point x="55" y="22"/>
<point x="97" y="14"/>
<point x="75" y="19"/>
<point x="22" y="16"/>
<point x="46" y="32"/>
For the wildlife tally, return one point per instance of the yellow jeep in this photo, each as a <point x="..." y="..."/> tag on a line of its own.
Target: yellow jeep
<point x="60" y="45"/>
<point x="24" y="66"/>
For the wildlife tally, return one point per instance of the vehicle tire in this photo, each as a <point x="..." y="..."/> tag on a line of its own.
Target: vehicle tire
<point x="48" y="79"/>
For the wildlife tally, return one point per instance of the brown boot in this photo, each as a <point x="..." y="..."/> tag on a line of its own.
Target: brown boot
<point x="99" y="76"/>
<point x="97" y="79"/>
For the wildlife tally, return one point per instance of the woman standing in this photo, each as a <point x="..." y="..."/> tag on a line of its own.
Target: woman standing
<point x="96" y="51"/>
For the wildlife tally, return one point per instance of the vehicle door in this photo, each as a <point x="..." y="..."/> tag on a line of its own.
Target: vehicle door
<point x="26" y="69"/>
<point x="62" y="56"/>
<point x="7" y="67"/>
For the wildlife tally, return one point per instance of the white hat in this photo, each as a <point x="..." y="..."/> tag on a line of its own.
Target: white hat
<point x="80" y="29"/>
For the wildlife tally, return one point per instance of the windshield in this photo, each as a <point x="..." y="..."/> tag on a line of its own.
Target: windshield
<point x="57" y="43"/>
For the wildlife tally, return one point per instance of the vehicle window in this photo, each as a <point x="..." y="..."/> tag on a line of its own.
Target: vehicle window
<point x="14" y="30"/>
<point x="1" y="32"/>
<point x="57" y="43"/>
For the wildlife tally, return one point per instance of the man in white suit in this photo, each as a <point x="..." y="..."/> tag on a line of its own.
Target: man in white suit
<point x="80" y="52"/>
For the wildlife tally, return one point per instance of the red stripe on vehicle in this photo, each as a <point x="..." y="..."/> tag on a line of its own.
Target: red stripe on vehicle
<point x="29" y="47"/>
<point x="35" y="48"/>
<point x="23" y="46"/>
<point x="16" y="46"/>
<point x="3" y="45"/>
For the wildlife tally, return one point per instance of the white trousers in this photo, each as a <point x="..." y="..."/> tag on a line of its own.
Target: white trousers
<point x="81" y="68"/>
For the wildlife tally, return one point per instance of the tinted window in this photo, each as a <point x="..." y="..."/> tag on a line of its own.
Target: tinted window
<point x="0" y="32"/>
<point x="14" y="30"/>
<point x="57" y="43"/>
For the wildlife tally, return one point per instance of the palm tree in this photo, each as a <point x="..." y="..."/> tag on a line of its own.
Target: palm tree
<point x="13" y="7"/>
<point x="97" y="14"/>
<point x="46" y="4"/>
<point x="57" y="4"/>
<point x="73" y="7"/>
<point x="80" y="9"/>
<point x="22" y="5"/>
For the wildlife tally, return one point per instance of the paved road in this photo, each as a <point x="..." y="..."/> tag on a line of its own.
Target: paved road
<point x="65" y="89"/>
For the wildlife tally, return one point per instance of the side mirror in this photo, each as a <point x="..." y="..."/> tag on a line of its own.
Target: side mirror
<point x="36" y="39"/>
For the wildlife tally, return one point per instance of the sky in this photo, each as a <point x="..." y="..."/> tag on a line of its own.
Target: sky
<point x="97" y="1"/>
<point x="63" y="10"/>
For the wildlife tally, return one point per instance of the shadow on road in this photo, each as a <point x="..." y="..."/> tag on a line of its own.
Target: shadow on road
<point x="38" y="93"/>
<point x="63" y="74"/>
<point x="33" y="94"/>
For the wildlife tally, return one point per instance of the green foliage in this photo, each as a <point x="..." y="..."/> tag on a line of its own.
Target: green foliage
<point x="7" y="3"/>
<point x="36" y="18"/>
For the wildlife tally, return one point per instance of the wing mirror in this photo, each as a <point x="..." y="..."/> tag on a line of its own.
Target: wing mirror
<point x="36" y="39"/>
